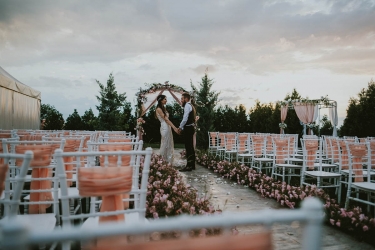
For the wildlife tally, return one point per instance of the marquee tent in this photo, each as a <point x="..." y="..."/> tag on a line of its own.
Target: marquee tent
<point x="19" y="104"/>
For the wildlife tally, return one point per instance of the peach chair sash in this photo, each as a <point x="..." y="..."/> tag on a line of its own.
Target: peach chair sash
<point x="335" y="150"/>
<point x="344" y="155"/>
<point x="311" y="147"/>
<point x="222" y="139"/>
<point x="213" y="138"/>
<point x="230" y="138"/>
<point x="3" y="173"/>
<point x="110" y="183"/>
<point x="242" y="139"/>
<point x="281" y="145"/>
<point x="40" y="162"/>
<point x="125" y="159"/>
<point x="71" y="145"/>
<point x="255" y="241"/>
<point x="257" y="144"/>
<point x="358" y="151"/>
<point x="372" y="156"/>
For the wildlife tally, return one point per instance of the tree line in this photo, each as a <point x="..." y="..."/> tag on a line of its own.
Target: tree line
<point x="115" y="113"/>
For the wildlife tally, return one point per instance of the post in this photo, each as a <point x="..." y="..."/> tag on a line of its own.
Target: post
<point x="312" y="232"/>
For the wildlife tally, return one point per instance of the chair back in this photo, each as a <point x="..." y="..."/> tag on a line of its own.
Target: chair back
<point x="230" y="141"/>
<point x="243" y="143"/>
<point x="359" y="156"/>
<point x="258" y="144"/>
<point x="310" y="147"/>
<point x="281" y="149"/>
<point x="212" y="140"/>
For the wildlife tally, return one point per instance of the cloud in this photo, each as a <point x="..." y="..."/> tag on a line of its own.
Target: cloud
<point x="146" y="67"/>
<point x="201" y="69"/>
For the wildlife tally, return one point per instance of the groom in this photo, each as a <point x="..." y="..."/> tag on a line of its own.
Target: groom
<point x="186" y="125"/>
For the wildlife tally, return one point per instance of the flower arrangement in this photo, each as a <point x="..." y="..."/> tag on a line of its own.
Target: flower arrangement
<point x="352" y="220"/>
<point x="282" y="125"/>
<point x="310" y="125"/>
<point x="139" y="126"/>
<point x="152" y="88"/>
<point x="323" y="100"/>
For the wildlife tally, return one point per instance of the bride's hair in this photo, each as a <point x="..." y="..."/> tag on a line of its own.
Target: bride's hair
<point x="160" y="105"/>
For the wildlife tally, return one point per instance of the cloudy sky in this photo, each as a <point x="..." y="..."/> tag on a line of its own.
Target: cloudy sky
<point x="252" y="49"/>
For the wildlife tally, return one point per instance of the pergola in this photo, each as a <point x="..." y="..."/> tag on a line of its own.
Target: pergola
<point x="308" y="111"/>
<point x="146" y="98"/>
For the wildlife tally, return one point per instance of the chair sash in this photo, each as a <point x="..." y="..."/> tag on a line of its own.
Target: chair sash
<point x="242" y="138"/>
<point x="358" y="151"/>
<point x="213" y="138"/>
<point x="269" y="145"/>
<point x="39" y="164"/>
<point x="311" y="146"/>
<point x="3" y="174"/>
<point x="335" y="150"/>
<point x="281" y="149"/>
<point x="71" y="145"/>
<point x="372" y="149"/>
<point x="109" y="183"/>
<point x="256" y="241"/>
<point x="222" y="139"/>
<point x="230" y="141"/>
<point x="257" y="144"/>
<point x="344" y="155"/>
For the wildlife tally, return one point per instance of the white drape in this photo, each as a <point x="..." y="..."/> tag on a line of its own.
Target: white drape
<point x="333" y="117"/>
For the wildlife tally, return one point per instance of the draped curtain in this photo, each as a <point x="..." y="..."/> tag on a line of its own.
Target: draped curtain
<point x="284" y="112"/>
<point x="305" y="112"/>
<point x="334" y="119"/>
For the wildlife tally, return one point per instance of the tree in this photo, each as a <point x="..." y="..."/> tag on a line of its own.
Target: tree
<point x="326" y="126"/>
<point x="111" y="117"/>
<point x="261" y="117"/>
<point x="74" y="121"/>
<point x="53" y="119"/>
<point x="360" y="115"/>
<point x="89" y="120"/>
<point x="227" y="119"/>
<point x="206" y="100"/>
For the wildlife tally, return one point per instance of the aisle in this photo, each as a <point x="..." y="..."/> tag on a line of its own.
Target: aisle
<point x="230" y="197"/>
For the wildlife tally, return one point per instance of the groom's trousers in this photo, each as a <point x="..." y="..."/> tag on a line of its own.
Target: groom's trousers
<point x="189" y="146"/>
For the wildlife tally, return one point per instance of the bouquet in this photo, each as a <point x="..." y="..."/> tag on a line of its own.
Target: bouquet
<point x="282" y="125"/>
<point x="310" y="125"/>
<point x="139" y="126"/>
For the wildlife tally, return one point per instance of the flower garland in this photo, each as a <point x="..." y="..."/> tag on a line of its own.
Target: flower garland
<point x="154" y="87"/>
<point x="323" y="100"/>
<point x="352" y="220"/>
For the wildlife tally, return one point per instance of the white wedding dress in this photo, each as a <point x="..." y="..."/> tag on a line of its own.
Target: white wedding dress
<point x="166" y="145"/>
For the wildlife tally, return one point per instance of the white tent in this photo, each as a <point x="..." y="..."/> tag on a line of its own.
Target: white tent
<point x="19" y="104"/>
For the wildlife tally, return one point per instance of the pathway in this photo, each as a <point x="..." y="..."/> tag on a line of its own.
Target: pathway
<point x="234" y="198"/>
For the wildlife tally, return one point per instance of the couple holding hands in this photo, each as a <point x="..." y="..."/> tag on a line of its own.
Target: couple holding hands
<point x="187" y="128"/>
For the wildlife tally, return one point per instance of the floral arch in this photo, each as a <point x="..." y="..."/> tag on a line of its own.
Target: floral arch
<point x="146" y="98"/>
<point x="308" y="111"/>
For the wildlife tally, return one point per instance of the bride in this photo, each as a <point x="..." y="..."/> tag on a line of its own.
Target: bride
<point x="167" y="145"/>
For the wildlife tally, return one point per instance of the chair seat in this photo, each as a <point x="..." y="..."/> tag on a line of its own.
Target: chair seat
<point x="369" y="186"/>
<point x="322" y="174"/>
<point x="287" y="166"/>
<point x="72" y="192"/>
<point x="245" y="154"/>
<point x="93" y="222"/>
<point x="263" y="159"/>
<point x="294" y="159"/>
<point x="38" y="222"/>
<point x="346" y="171"/>
<point x="325" y="165"/>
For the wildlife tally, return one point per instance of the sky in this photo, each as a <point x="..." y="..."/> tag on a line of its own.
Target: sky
<point x="252" y="49"/>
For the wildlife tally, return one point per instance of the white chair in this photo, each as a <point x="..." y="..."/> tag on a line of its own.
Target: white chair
<point x="139" y="192"/>
<point x="42" y="185"/>
<point x="310" y="216"/>
<point x="359" y="180"/>
<point x="244" y="155"/>
<point x="213" y="142"/>
<point x="230" y="142"/>
<point x="312" y="148"/>
<point x="220" y="152"/>
<point x="259" y="159"/>
<point x="280" y="166"/>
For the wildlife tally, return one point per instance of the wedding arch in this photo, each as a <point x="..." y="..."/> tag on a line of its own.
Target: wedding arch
<point x="146" y="98"/>
<point x="308" y="111"/>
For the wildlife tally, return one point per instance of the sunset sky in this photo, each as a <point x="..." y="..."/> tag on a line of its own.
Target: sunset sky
<point x="252" y="49"/>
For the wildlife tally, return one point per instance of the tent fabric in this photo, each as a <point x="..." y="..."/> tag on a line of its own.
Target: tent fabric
<point x="334" y="118"/>
<point x="9" y="82"/>
<point x="19" y="104"/>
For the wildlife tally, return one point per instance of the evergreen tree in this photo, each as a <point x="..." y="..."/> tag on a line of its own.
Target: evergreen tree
<point x="292" y="120"/>
<point x="53" y="119"/>
<point x="206" y="100"/>
<point x="111" y="117"/>
<point x="326" y="126"/>
<point x="360" y="115"/>
<point x="74" y="121"/>
<point x="261" y="116"/>
<point x="89" y="120"/>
